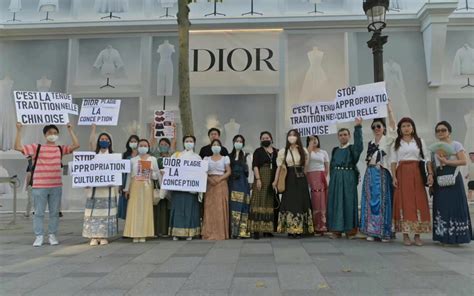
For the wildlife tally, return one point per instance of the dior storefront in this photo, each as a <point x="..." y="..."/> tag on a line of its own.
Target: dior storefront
<point x="246" y="71"/>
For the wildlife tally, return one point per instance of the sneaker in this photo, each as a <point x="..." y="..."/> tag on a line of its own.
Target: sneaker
<point x="189" y="238"/>
<point x="104" y="242"/>
<point x="370" y="239"/>
<point x="175" y="238"/>
<point x="53" y="241"/>
<point x="38" y="241"/>
<point x="136" y="240"/>
<point x="142" y="240"/>
<point x="94" y="242"/>
<point x="385" y="240"/>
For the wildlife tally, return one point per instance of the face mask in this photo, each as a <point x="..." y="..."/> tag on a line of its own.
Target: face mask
<point x="164" y="149"/>
<point x="292" y="139"/>
<point x="133" y="145"/>
<point x="142" y="150"/>
<point x="266" y="143"/>
<point x="189" y="146"/>
<point x="52" y="138"/>
<point x="216" y="149"/>
<point x="238" y="146"/>
<point x="104" y="144"/>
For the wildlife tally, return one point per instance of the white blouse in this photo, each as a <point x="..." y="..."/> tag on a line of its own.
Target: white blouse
<point x="134" y="165"/>
<point x="289" y="159"/>
<point x="409" y="151"/>
<point x="317" y="160"/>
<point x="217" y="167"/>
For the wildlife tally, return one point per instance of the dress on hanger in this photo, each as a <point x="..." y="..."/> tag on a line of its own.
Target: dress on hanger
<point x="7" y="115"/>
<point x="396" y="87"/>
<point x="315" y="78"/>
<point x="165" y="70"/>
<point x="108" y="61"/>
<point x="111" y="6"/>
<point x="15" y="6"/>
<point x="48" y="6"/>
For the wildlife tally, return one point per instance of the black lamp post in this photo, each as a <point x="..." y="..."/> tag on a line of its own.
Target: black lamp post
<point x="376" y="10"/>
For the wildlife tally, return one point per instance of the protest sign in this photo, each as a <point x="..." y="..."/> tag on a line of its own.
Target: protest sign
<point x="97" y="170"/>
<point x="314" y="118"/>
<point x="164" y="121"/>
<point x="366" y="101"/>
<point x="99" y="112"/>
<point x="41" y="108"/>
<point x="189" y="175"/>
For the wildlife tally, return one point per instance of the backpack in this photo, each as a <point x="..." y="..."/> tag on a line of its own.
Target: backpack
<point x="33" y="167"/>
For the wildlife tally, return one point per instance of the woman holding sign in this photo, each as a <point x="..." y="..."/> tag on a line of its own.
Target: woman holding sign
<point x="295" y="217"/>
<point x="100" y="215"/>
<point x="411" y="212"/>
<point x="185" y="213"/>
<point x="139" y="190"/>
<point x="377" y="191"/>
<point x="215" y="224"/>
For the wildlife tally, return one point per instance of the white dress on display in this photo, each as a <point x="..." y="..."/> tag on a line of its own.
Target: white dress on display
<point x="395" y="85"/>
<point x="231" y="129"/>
<point x="111" y="6"/>
<point x="464" y="61"/>
<point x="43" y="84"/>
<point x="7" y="114"/>
<point x="469" y="138"/>
<point x="48" y="6"/>
<point x="165" y="69"/>
<point x="15" y="6"/>
<point x="108" y="61"/>
<point x="315" y="78"/>
<point x="168" y="3"/>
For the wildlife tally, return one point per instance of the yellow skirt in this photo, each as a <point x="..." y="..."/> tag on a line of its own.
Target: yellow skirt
<point x="139" y="221"/>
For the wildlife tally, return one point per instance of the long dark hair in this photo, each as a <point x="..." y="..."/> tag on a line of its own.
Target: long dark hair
<point x="234" y="151"/>
<point x="298" y="143"/>
<point x="414" y="135"/>
<point x="97" y="146"/>
<point x="129" y="150"/>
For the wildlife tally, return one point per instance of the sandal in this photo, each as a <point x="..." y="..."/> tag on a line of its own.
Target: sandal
<point x="406" y="240"/>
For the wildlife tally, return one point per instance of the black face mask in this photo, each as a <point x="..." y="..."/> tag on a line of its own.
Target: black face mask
<point x="266" y="143"/>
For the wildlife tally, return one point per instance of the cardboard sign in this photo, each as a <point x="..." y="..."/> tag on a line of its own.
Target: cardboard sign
<point x="99" y="112"/>
<point x="188" y="175"/>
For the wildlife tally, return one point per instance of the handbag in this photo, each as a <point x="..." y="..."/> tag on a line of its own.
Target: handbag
<point x="424" y="172"/>
<point x="446" y="176"/>
<point x="282" y="178"/>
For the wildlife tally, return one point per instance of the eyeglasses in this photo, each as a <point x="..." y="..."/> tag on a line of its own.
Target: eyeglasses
<point x="378" y="126"/>
<point x="441" y="130"/>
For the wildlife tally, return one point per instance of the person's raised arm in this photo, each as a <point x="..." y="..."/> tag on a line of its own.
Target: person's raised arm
<point x="18" y="144"/>
<point x="92" y="137"/>
<point x="75" y="142"/>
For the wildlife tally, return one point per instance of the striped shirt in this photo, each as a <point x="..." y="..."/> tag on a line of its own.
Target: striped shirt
<point x="48" y="171"/>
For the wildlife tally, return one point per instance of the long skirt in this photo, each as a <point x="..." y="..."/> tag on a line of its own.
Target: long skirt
<point x="376" y="207"/>
<point x="100" y="215"/>
<point x="185" y="219"/>
<point x="319" y="199"/>
<point x="239" y="207"/>
<point x="122" y="207"/>
<point x="261" y="216"/>
<point x="343" y="211"/>
<point x="411" y="213"/>
<point x="451" y="219"/>
<point x="139" y="222"/>
<point x="215" y="225"/>
<point x="295" y="215"/>
<point x="161" y="217"/>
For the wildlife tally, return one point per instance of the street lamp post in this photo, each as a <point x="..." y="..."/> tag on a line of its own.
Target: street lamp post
<point x="376" y="10"/>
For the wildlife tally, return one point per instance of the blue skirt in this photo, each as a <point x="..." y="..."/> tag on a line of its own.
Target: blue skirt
<point x="239" y="206"/>
<point x="185" y="220"/>
<point x="451" y="219"/>
<point x="122" y="207"/>
<point x="376" y="203"/>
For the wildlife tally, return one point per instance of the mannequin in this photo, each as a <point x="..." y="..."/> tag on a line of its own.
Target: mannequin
<point x="396" y="87"/>
<point x="165" y="69"/>
<point x="231" y="129"/>
<point x="111" y="7"/>
<point x="14" y="7"/>
<point x="43" y="84"/>
<point x="315" y="77"/>
<point x="395" y="5"/>
<point x="108" y="61"/>
<point x="469" y="138"/>
<point x="464" y="61"/>
<point x="7" y="114"/>
<point x="48" y="6"/>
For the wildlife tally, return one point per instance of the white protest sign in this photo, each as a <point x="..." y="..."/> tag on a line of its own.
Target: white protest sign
<point x="181" y="174"/>
<point x="40" y="108"/>
<point x="99" y="111"/>
<point x="314" y="118"/>
<point x="164" y="121"/>
<point x="97" y="170"/>
<point x="367" y="101"/>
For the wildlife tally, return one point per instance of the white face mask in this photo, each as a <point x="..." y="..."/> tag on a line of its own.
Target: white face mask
<point x="142" y="150"/>
<point x="238" y="146"/>
<point x="292" y="139"/>
<point x="52" y="138"/>
<point x="133" y="145"/>
<point x="216" y="149"/>
<point x="189" y="146"/>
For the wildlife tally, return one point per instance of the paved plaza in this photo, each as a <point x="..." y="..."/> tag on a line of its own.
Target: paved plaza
<point x="277" y="266"/>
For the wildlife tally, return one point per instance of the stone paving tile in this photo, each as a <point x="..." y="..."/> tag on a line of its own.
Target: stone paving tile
<point x="222" y="255"/>
<point x="451" y="285"/>
<point x="260" y="248"/>
<point x="154" y="256"/>
<point x="253" y="264"/>
<point x="411" y="292"/>
<point x="169" y="275"/>
<point x="360" y="286"/>
<point x="126" y="277"/>
<point x="211" y="277"/>
<point x="105" y="264"/>
<point x="77" y="274"/>
<point x="299" y="276"/>
<point x="255" y="275"/>
<point x="62" y="286"/>
<point x="203" y="292"/>
<point x="101" y="292"/>
<point x="261" y="286"/>
<point x="179" y="265"/>
<point x="293" y="255"/>
<point x="157" y="286"/>
<point x="318" y="292"/>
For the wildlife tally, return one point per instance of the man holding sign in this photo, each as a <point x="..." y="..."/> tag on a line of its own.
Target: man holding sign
<point x="46" y="182"/>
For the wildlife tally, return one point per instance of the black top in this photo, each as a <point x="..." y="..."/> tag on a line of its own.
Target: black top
<point x="207" y="151"/>
<point x="261" y="157"/>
